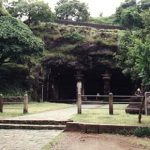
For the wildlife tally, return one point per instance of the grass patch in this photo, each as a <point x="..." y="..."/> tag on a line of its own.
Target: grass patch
<point x="17" y="109"/>
<point x="52" y="143"/>
<point x="101" y="115"/>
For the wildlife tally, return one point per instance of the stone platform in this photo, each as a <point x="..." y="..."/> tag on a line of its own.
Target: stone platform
<point x="134" y="106"/>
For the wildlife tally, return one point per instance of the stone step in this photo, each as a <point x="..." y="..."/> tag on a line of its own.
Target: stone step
<point x="35" y="122"/>
<point x="32" y="127"/>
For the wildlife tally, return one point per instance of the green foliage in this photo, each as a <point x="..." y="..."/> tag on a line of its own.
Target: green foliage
<point x="73" y="37"/>
<point x="125" y="132"/>
<point x="13" y="90"/>
<point x="139" y="132"/>
<point x="62" y="40"/>
<point x="32" y="12"/>
<point x="128" y="15"/>
<point x="3" y="12"/>
<point x="103" y="20"/>
<point x="133" y="57"/>
<point x="72" y="10"/>
<point x="146" y="21"/>
<point x="134" y="47"/>
<point x="54" y="33"/>
<point x="142" y="132"/>
<point x="130" y="18"/>
<point x="128" y="3"/>
<point x="13" y="79"/>
<point x="17" y="42"/>
<point x="144" y="4"/>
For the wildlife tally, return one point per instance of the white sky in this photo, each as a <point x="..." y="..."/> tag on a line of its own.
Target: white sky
<point x="107" y="7"/>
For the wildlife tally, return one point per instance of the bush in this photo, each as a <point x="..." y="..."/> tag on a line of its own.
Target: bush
<point x="13" y="79"/>
<point x="73" y="37"/>
<point x="125" y="132"/>
<point x="17" y="42"/>
<point x="141" y="132"/>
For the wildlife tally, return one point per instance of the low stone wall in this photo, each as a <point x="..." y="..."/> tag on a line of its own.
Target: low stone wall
<point x="95" y="128"/>
<point x="134" y="106"/>
<point x="94" y="25"/>
<point x="34" y="122"/>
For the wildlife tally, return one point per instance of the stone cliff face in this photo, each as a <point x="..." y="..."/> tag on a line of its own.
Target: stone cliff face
<point x="71" y="45"/>
<point x="88" y="50"/>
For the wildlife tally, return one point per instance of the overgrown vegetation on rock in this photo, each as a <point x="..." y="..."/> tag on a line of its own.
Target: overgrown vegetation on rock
<point x="73" y="43"/>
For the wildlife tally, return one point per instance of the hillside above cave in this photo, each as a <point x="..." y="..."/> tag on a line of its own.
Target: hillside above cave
<point x="72" y="45"/>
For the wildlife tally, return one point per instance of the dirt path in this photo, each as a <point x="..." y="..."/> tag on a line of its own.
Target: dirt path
<point x="79" y="141"/>
<point x="61" y="114"/>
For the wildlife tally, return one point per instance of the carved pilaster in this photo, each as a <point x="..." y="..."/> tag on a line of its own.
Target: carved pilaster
<point x="106" y="78"/>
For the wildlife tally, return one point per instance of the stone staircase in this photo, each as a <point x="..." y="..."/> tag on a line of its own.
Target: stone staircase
<point x="33" y="124"/>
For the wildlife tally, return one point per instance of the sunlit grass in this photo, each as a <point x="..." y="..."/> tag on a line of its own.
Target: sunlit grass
<point x="101" y="115"/>
<point x="17" y="109"/>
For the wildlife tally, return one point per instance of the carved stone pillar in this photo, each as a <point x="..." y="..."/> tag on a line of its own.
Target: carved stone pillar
<point x="54" y="88"/>
<point x="79" y="92"/>
<point x="55" y="91"/>
<point x="106" y="78"/>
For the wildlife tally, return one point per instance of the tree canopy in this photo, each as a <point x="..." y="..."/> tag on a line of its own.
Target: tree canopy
<point x="134" y="53"/>
<point x="145" y="4"/>
<point x="17" y="42"/>
<point x="73" y="10"/>
<point x="128" y="15"/>
<point x="32" y="12"/>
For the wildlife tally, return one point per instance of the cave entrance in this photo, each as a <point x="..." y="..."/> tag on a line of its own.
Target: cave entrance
<point x="93" y="83"/>
<point x="119" y="83"/>
<point x="64" y="87"/>
<point x="67" y="86"/>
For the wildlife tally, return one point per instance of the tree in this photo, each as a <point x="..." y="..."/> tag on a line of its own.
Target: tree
<point x="144" y="4"/>
<point x="128" y="15"/>
<point x="3" y="12"/>
<point x="17" y="42"/>
<point x="31" y="12"/>
<point x="128" y="3"/>
<point x="130" y="18"/>
<point x="72" y="10"/>
<point x="134" y="57"/>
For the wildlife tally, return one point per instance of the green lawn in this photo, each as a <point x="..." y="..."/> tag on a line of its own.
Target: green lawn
<point x="17" y="109"/>
<point x="101" y="115"/>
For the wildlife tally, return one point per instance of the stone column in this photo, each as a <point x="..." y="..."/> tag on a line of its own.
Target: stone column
<point x="106" y="78"/>
<point x="111" y="103"/>
<point x="42" y="93"/>
<point x="83" y="90"/>
<point x="54" y="88"/>
<point x="79" y="92"/>
<point x="1" y="103"/>
<point x="25" y="103"/>
<point x="55" y="91"/>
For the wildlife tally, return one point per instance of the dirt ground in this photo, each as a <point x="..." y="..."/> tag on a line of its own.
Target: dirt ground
<point x="80" y="141"/>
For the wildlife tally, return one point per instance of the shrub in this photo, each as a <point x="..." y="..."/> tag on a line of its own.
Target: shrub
<point x="141" y="132"/>
<point x="73" y="37"/>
